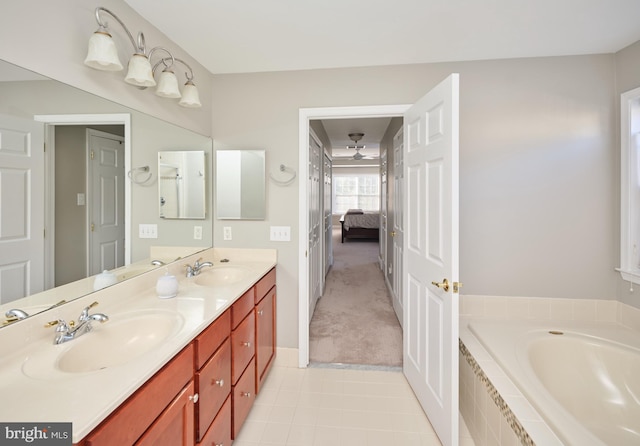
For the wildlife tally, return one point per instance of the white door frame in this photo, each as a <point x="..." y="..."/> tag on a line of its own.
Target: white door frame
<point x="80" y="119"/>
<point x="305" y="115"/>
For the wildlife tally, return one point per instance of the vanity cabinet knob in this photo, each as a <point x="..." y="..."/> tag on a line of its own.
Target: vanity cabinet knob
<point x="194" y="398"/>
<point x="217" y="382"/>
<point x="260" y="313"/>
<point x="246" y="394"/>
<point x="247" y="344"/>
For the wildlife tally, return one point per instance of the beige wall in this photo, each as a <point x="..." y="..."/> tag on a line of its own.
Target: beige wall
<point x="537" y="211"/>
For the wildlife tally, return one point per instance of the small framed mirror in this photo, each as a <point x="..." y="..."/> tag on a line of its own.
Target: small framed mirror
<point x="240" y="184"/>
<point x="182" y="184"/>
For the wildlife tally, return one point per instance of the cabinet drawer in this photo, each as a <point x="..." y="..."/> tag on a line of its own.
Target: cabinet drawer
<point x="212" y="337"/>
<point x="220" y="431"/>
<point x="244" y="394"/>
<point x="213" y="384"/>
<point x="263" y="286"/>
<point x="175" y="425"/>
<point x="242" y="307"/>
<point x="135" y="415"/>
<point x="243" y="346"/>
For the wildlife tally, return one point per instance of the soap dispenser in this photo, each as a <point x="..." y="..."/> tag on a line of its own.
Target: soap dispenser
<point x="167" y="286"/>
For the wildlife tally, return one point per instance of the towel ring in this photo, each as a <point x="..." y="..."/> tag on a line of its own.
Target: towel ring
<point x="134" y="177"/>
<point x="289" y="170"/>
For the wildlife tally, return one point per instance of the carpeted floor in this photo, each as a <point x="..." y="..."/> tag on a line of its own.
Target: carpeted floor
<point x="354" y="321"/>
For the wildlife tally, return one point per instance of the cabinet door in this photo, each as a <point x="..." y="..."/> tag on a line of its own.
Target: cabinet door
<point x="219" y="434"/>
<point x="213" y="386"/>
<point x="134" y="416"/>
<point x="265" y="335"/>
<point x="243" y="346"/>
<point x="175" y="426"/>
<point x="243" y="394"/>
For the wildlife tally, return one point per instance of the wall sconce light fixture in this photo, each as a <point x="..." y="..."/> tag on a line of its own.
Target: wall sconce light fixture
<point x="103" y="55"/>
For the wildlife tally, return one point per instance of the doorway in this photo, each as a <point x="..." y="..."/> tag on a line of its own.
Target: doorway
<point x="120" y="121"/>
<point x="305" y="116"/>
<point x="88" y="200"/>
<point x="353" y="323"/>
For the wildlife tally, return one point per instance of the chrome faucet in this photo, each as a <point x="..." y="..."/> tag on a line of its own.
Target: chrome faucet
<point x="197" y="266"/>
<point x="68" y="331"/>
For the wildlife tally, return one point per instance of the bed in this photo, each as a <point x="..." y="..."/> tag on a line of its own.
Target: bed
<point x="357" y="223"/>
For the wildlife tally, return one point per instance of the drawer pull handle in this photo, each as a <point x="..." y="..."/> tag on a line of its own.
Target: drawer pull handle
<point x="247" y="394"/>
<point x="194" y="398"/>
<point x="218" y="382"/>
<point x="247" y="344"/>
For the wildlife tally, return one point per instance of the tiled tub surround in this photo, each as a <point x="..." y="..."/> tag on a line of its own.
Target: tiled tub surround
<point x="494" y="408"/>
<point x="86" y="399"/>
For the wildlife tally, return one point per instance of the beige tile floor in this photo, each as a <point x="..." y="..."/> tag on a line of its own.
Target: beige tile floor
<point x="338" y="407"/>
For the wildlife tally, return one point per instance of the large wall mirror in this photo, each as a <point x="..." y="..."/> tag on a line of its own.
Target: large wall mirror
<point x="182" y="184"/>
<point x="240" y="184"/>
<point x="66" y="118"/>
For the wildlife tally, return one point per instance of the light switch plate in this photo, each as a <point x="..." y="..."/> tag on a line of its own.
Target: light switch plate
<point x="80" y="199"/>
<point x="197" y="232"/>
<point x="280" y="234"/>
<point x="227" y="233"/>
<point x="148" y="231"/>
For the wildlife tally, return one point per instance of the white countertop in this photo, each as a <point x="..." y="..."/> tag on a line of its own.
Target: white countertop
<point x="39" y="392"/>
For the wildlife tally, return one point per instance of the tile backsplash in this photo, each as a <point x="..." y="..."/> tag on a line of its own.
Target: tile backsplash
<point x="545" y="308"/>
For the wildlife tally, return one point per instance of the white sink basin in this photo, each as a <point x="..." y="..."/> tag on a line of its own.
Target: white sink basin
<point x="118" y="341"/>
<point x="222" y="275"/>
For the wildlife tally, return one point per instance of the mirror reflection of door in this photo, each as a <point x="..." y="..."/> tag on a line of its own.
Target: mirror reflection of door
<point x="106" y="201"/>
<point x="79" y="251"/>
<point x="22" y="211"/>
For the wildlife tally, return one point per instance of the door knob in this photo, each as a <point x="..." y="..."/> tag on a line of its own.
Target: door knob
<point x="444" y="284"/>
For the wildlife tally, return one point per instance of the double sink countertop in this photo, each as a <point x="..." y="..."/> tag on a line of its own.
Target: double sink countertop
<point x="83" y="380"/>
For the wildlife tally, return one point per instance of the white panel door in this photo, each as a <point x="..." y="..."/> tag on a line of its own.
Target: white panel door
<point x="315" y="222"/>
<point x="106" y="207"/>
<point x="21" y="208"/>
<point x="383" y="213"/>
<point x="397" y="232"/>
<point x="430" y="250"/>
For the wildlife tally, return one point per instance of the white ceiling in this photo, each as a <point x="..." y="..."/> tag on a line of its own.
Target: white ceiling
<point x="242" y="36"/>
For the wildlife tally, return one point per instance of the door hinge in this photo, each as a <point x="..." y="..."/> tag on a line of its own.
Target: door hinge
<point x="93" y="227"/>
<point x="92" y="155"/>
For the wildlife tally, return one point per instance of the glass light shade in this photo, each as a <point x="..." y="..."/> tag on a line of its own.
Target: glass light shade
<point x="190" y="96"/>
<point x="102" y="53"/>
<point x="139" y="73"/>
<point x="168" y="85"/>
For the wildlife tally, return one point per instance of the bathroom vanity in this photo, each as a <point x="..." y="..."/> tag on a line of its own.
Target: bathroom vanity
<point x="183" y="371"/>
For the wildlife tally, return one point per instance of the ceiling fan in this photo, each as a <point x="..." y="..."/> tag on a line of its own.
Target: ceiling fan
<point x="355" y="137"/>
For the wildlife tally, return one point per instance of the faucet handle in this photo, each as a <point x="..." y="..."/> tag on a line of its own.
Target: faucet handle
<point x="60" y="324"/>
<point x="197" y="263"/>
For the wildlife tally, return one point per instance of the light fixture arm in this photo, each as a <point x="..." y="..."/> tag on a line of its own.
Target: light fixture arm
<point x="139" y="48"/>
<point x="188" y="75"/>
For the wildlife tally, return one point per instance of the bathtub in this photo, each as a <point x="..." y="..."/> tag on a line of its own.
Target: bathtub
<point x="582" y="378"/>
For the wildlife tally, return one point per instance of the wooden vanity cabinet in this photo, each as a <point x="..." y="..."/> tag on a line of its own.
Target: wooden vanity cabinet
<point x="128" y="423"/>
<point x="205" y="393"/>
<point x="265" y="302"/>
<point x="213" y="372"/>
